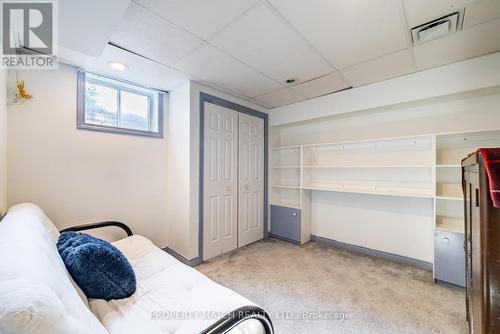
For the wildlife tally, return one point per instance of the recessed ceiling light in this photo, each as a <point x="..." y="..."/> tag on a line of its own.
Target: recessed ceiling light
<point x="116" y="65"/>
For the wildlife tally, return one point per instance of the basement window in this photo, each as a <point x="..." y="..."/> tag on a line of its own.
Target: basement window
<point x="110" y="105"/>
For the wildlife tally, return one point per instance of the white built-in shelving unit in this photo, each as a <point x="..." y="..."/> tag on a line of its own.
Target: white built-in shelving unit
<point x="423" y="166"/>
<point x="450" y="150"/>
<point x="285" y="176"/>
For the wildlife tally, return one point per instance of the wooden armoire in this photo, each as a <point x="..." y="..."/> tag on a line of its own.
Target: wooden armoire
<point x="482" y="249"/>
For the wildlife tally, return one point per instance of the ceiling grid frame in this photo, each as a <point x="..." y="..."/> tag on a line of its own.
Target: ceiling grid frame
<point x="292" y="27"/>
<point x="205" y="42"/>
<point x="409" y="38"/>
<point x="361" y="35"/>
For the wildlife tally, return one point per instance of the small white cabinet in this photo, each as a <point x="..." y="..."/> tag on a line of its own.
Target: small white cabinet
<point x="449" y="257"/>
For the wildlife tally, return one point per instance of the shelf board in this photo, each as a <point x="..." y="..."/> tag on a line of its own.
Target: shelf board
<point x="382" y="191"/>
<point x="451" y="224"/>
<point x="286" y="204"/>
<point x="420" y="136"/>
<point x="448" y="166"/>
<point x="367" y="141"/>
<point x="285" y="167"/>
<point x="285" y="186"/>
<point x="450" y="197"/>
<point x="368" y="166"/>
<point x="468" y="133"/>
<point x="293" y="147"/>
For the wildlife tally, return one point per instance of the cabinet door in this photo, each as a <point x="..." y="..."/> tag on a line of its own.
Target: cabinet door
<point x="467" y="245"/>
<point x="449" y="257"/>
<point x="477" y="319"/>
<point x="285" y="223"/>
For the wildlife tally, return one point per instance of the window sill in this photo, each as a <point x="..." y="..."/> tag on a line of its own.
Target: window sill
<point x="122" y="131"/>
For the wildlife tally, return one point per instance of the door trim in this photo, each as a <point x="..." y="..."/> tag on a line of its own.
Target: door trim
<point x="204" y="97"/>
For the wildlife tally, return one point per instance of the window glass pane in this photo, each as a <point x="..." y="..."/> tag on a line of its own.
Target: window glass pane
<point x="120" y="107"/>
<point x="134" y="111"/>
<point x="100" y="105"/>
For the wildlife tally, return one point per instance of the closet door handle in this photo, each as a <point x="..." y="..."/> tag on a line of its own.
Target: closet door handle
<point x="228" y="188"/>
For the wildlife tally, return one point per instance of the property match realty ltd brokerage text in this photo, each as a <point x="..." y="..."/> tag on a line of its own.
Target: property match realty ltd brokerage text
<point x="310" y="315"/>
<point x="275" y="315"/>
<point x="29" y="34"/>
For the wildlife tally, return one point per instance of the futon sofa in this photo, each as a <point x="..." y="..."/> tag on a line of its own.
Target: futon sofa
<point x="38" y="295"/>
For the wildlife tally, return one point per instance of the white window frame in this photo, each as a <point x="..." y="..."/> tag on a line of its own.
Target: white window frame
<point x="115" y="84"/>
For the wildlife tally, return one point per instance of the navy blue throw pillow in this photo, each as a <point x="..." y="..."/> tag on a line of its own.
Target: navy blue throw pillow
<point x="98" y="267"/>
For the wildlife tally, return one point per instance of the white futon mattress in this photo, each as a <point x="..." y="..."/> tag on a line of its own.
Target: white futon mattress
<point x="170" y="297"/>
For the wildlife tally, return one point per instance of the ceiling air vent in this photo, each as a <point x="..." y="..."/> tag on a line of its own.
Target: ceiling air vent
<point x="437" y="28"/>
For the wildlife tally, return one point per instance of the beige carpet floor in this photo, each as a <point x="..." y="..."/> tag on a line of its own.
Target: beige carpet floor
<point x="372" y="295"/>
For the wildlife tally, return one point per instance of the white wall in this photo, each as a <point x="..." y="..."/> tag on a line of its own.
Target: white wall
<point x="396" y="225"/>
<point x="80" y="176"/>
<point x="178" y="170"/>
<point x="466" y="111"/>
<point x="477" y="73"/>
<point x="184" y="229"/>
<point x="3" y="141"/>
<point x="402" y="226"/>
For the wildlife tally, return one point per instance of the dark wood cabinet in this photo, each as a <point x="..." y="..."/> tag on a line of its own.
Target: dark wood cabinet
<point x="482" y="249"/>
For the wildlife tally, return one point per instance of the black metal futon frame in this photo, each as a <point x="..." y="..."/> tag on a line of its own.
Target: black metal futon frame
<point x="223" y="325"/>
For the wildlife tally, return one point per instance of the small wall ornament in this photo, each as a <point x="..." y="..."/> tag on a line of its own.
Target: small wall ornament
<point x="21" y="95"/>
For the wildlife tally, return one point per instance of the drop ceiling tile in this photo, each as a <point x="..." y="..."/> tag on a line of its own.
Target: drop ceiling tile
<point x="421" y="11"/>
<point x="150" y="35"/>
<point x="468" y="43"/>
<point x="262" y="104"/>
<point x="200" y="17"/>
<point x="379" y="69"/>
<point x="279" y="98"/>
<point x="263" y="40"/>
<point x="101" y="18"/>
<point x="140" y="70"/>
<point x="327" y="84"/>
<point x="74" y="58"/>
<point x="214" y="66"/>
<point x="348" y="32"/>
<point x="481" y="12"/>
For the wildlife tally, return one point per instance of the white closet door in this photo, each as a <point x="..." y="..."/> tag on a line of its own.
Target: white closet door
<point x="220" y="198"/>
<point x="251" y="180"/>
